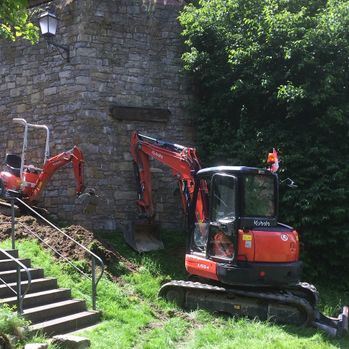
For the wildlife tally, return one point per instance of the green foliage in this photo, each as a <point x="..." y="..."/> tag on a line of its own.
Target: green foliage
<point x="15" y="21"/>
<point x="275" y="73"/>
<point x="10" y="322"/>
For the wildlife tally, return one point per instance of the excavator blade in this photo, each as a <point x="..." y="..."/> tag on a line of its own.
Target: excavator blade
<point x="88" y="201"/>
<point x="143" y="236"/>
<point x="334" y="327"/>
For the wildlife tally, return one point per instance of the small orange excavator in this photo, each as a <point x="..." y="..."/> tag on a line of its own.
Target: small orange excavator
<point x="240" y="259"/>
<point x="27" y="182"/>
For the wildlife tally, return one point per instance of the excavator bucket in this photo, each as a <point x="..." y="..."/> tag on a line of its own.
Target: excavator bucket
<point x="88" y="201"/>
<point x="143" y="236"/>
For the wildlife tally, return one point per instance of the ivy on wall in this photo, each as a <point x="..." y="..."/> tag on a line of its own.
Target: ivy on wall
<point x="16" y="21"/>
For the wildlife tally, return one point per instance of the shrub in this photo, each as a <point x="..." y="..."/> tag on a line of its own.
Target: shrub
<point x="275" y="73"/>
<point x="10" y="322"/>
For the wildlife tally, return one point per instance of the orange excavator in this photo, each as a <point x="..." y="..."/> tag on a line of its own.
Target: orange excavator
<point x="240" y="259"/>
<point x="27" y="181"/>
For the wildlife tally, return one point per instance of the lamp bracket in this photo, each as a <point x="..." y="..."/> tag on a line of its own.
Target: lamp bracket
<point x="59" y="48"/>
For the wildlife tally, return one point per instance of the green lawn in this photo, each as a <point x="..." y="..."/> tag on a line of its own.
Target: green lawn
<point x="135" y="318"/>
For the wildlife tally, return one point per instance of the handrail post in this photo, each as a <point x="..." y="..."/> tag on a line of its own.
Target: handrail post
<point x="95" y="258"/>
<point x="94" y="291"/>
<point x="19" y="292"/>
<point x="13" y="238"/>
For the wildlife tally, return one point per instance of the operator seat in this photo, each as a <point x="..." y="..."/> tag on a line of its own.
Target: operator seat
<point x="13" y="164"/>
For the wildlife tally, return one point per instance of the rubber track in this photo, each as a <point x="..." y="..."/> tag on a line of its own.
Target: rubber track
<point x="279" y="296"/>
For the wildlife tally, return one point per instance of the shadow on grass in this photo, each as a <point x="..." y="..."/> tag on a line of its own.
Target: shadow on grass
<point x="167" y="262"/>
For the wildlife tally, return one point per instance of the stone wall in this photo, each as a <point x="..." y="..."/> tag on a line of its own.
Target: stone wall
<point x="124" y="53"/>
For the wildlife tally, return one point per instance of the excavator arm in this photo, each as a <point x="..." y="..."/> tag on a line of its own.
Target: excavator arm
<point x="52" y="165"/>
<point x="184" y="164"/>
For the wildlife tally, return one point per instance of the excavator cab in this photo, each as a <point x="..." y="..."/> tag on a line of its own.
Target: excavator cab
<point x="239" y="198"/>
<point x="241" y="230"/>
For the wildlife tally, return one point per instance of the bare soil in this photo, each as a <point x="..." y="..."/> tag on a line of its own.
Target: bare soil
<point x="33" y="228"/>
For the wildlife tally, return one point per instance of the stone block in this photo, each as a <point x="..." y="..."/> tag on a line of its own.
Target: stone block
<point x="15" y="92"/>
<point x="21" y="108"/>
<point x="50" y="91"/>
<point x="70" y="342"/>
<point x="86" y="52"/>
<point x="65" y="74"/>
<point x="36" y="346"/>
<point x="83" y="80"/>
<point x="35" y="97"/>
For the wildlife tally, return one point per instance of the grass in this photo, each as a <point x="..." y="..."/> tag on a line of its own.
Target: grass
<point x="135" y="318"/>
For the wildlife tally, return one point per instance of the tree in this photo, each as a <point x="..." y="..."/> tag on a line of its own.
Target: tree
<point x="275" y="73"/>
<point x="15" y="21"/>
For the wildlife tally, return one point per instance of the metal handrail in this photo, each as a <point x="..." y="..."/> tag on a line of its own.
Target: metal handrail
<point x="95" y="258"/>
<point x="20" y="296"/>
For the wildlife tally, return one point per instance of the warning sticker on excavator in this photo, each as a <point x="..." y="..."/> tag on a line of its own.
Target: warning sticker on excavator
<point x="246" y="237"/>
<point x="248" y="244"/>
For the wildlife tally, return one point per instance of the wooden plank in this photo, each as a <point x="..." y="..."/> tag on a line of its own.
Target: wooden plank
<point x="122" y="113"/>
<point x="35" y="3"/>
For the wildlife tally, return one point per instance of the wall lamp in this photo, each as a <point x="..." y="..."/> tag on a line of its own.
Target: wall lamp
<point x="48" y="27"/>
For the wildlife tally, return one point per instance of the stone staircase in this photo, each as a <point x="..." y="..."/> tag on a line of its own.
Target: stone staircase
<point x="50" y="309"/>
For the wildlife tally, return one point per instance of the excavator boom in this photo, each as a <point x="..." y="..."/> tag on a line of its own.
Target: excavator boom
<point x="52" y="165"/>
<point x="184" y="163"/>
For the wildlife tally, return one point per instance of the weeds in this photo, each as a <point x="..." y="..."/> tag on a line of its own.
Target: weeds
<point x="134" y="317"/>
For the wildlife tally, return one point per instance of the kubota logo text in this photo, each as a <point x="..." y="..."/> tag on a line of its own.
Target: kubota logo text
<point x="259" y="223"/>
<point x="156" y="154"/>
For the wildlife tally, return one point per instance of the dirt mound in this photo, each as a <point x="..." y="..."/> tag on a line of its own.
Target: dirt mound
<point x="33" y="228"/>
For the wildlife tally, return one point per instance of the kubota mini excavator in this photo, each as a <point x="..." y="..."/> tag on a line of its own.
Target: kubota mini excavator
<point x="27" y="182"/>
<point x="241" y="261"/>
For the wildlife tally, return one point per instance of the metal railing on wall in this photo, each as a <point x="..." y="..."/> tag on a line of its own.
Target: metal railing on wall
<point x="95" y="260"/>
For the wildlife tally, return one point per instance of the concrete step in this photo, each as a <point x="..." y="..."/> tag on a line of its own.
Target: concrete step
<point x="11" y="275"/>
<point x="9" y="264"/>
<point x="13" y="253"/>
<point x="49" y="308"/>
<point x="40" y="298"/>
<point x="67" y="323"/>
<point x="54" y="310"/>
<point x="37" y="285"/>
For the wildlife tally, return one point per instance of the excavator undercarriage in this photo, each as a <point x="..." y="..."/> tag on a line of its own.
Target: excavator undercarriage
<point x="294" y="305"/>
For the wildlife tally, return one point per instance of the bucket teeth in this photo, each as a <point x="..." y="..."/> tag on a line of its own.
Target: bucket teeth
<point x="88" y="201"/>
